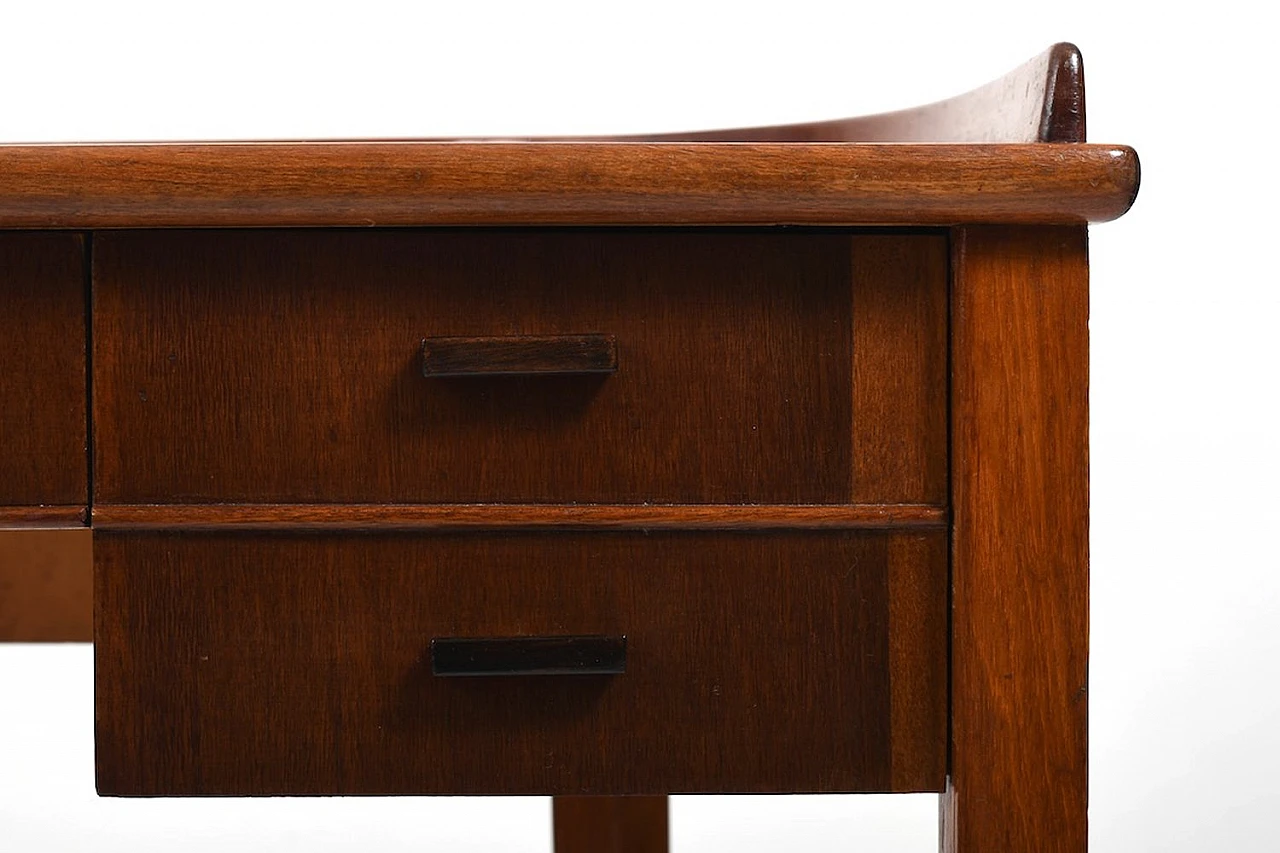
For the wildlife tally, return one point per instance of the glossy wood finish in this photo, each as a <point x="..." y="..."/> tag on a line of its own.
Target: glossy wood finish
<point x="553" y="183"/>
<point x="1040" y="101"/>
<point x="917" y="575"/>
<point x="900" y="370"/>
<point x="1020" y="542"/>
<point x="610" y="824"/>
<point x="516" y="355"/>
<point x="42" y="372"/>
<point x="440" y="517"/>
<point x="276" y="663"/>
<point x="46" y="585"/>
<point x="484" y="657"/>
<point x="783" y="590"/>
<point x="43" y="516"/>
<point x="734" y="381"/>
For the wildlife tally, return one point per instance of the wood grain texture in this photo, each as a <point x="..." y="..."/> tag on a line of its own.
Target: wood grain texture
<point x="733" y="383"/>
<point x="1040" y="101"/>
<point x="277" y="663"/>
<point x="918" y="636"/>
<point x="552" y="183"/>
<point x="610" y="824"/>
<point x="441" y="517"/>
<point x="1020" y="559"/>
<point x="43" y="516"/>
<point x="42" y="370"/>
<point x="509" y="355"/>
<point x="46" y="585"/>
<point x="900" y="369"/>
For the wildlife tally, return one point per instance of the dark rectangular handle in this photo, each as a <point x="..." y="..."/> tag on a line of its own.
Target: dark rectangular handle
<point x="519" y="354"/>
<point x="581" y="655"/>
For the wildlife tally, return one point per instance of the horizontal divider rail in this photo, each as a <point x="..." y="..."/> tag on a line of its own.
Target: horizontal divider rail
<point x="518" y="516"/>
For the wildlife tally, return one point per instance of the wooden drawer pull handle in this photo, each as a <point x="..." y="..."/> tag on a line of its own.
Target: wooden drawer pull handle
<point x="519" y="354"/>
<point x="584" y="655"/>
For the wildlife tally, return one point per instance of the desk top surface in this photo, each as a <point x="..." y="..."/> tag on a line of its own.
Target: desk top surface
<point x="410" y="183"/>
<point x="1012" y="151"/>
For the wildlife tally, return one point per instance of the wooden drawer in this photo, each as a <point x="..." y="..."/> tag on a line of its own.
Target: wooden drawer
<point x="44" y="460"/>
<point x="753" y="366"/>
<point x="275" y="663"/>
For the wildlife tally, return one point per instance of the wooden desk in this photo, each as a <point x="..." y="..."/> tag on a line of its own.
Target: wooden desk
<point x="758" y="460"/>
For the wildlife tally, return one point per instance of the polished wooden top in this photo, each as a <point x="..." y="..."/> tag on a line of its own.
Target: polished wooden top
<point x="552" y="183"/>
<point x="1009" y="152"/>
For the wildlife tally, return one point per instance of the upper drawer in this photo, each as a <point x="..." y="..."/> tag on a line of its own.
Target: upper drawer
<point x="753" y="366"/>
<point x="42" y="380"/>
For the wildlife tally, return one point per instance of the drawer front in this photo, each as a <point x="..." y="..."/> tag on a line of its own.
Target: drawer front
<point x="42" y="373"/>
<point x="274" y="663"/>
<point x="752" y="366"/>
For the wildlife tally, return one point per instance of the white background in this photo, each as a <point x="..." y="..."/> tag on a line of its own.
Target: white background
<point x="1185" y="713"/>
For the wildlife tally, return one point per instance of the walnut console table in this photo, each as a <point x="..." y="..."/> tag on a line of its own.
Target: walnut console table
<point x="752" y="461"/>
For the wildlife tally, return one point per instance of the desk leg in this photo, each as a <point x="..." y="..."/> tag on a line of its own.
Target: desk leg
<point x="1017" y="773"/>
<point x="610" y="824"/>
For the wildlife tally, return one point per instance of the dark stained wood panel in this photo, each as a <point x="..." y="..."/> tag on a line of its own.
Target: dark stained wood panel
<point x="1020" y="542"/>
<point x="261" y="663"/>
<point x="917" y="658"/>
<point x="284" y="367"/>
<point x="610" y="824"/>
<point x="900" y="369"/>
<point x="407" y="183"/>
<point x="42" y="370"/>
<point x="46" y="585"/>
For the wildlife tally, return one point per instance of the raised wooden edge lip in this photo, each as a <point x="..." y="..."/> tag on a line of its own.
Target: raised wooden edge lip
<point x="444" y="517"/>
<point x="1063" y="116"/>
<point x="410" y="183"/>
<point x="43" y="516"/>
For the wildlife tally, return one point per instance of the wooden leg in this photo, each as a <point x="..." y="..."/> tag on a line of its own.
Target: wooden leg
<point x="610" y="824"/>
<point x="1020" y="546"/>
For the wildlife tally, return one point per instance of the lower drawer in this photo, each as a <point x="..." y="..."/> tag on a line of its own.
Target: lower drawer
<point x="293" y="663"/>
